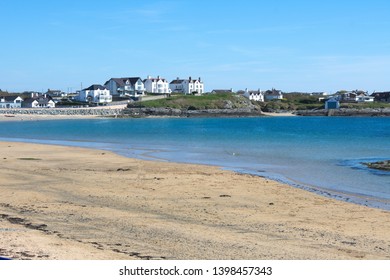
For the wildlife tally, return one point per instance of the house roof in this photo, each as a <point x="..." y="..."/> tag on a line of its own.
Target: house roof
<point x="122" y="81"/>
<point x="273" y="92"/>
<point x="42" y="99"/>
<point x="177" y="81"/>
<point x="155" y="79"/>
<point x="29" y="100"/>
<point x="255" y="91"/>
<point x="9" y="98"/>
<point x="95" y="87"/>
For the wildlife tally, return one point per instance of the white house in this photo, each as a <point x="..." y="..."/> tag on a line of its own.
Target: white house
<point x="356" y="96"/>
<point x="156" y="85"/>
<point x="365" y="98"/>
<point x="132" y="86"/>
<point x="273" y="95"/>
<point x="96" y="94"/>
<point x="11" y="102"/>
<point x="39" y="101"/>
<point x="255" y="95"/>
<point x="187" y="86"/>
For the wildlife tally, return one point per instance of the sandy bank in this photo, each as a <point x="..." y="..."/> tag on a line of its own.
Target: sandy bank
<point x="44" y="117"/>
<point x="72" y="203"/>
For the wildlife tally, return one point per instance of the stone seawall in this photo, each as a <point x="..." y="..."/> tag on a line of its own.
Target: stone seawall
<point x="63" y="111"/>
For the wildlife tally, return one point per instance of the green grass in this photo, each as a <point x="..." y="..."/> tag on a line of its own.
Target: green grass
<point x="193" y="102"/>
<point x="292" y="102"/>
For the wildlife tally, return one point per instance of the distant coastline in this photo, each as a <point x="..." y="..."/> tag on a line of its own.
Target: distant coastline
<point x="54" y="113"/>
<point x="347" y="112"/>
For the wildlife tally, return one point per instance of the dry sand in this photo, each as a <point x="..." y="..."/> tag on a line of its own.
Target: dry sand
<point x="72" y="203"/>
<point x="33" y="117"/>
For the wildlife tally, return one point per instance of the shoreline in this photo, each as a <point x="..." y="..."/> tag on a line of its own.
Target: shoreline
<point x="350" y="197"/>
<point x="119" y="111"/>
<point x="77" y="203"/>
<point x="140" y="154"/>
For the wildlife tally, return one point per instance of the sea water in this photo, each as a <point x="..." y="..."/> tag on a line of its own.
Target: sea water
<point x="319" y="154"/>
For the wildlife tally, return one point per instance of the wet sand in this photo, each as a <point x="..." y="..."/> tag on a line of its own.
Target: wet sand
<point x="73" y="203"/>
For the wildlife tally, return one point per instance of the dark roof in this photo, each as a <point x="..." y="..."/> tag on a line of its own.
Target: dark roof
<point x="222" y="90"/>
<point x="255" y="91"/>
<point x="177" y="81"/>
<point x="42" y="99"/>
<point x="273" y="92"/>
<point x="122" y="81"/>
<point x="9" y="98"/>
<point x="155" y="79"/>
<point x="95" y="87"/>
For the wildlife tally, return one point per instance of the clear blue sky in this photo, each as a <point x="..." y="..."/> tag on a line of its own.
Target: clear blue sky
<point x="289" y="45"/>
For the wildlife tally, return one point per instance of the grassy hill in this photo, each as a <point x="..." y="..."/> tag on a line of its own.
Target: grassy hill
<point x="193" y="102"/>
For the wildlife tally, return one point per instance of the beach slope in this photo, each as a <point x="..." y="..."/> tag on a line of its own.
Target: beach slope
<point x="73" y="203"/>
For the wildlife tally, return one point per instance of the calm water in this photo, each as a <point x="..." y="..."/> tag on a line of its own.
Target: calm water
<point x="315" y="153"/>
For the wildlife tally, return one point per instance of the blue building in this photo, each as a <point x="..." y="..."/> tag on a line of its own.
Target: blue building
<point x="332" y="104"/>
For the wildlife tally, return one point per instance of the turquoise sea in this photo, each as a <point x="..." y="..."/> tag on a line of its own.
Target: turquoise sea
<point x="319" y="154"/>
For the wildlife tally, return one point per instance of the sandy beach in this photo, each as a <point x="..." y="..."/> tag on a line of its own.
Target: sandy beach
<point x="73" y="203"/>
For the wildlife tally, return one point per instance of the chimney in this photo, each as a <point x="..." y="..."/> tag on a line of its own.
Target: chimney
<point x="189" y="78"/>
<point x="199" y="79"/>
<point x="158" y="77"/>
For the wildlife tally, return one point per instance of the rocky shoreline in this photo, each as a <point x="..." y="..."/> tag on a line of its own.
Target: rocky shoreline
<point x="364" y="112"/>
<point x="171" y="112"/>
<point x="133" y="112"/>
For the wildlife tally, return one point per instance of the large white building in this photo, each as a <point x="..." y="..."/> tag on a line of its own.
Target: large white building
<point x="255" y="95"/>
<point x="156" y="85"/>
<point x="187" y="86"/>
<point x="96" y="94"/>
<point x="132" y="86"/>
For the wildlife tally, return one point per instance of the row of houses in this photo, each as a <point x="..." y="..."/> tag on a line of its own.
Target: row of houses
<point x="103" y="94"/>
<point x="35" y="101"/>
<point x="355" y="96"/>
<point x="136" y="87"/>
